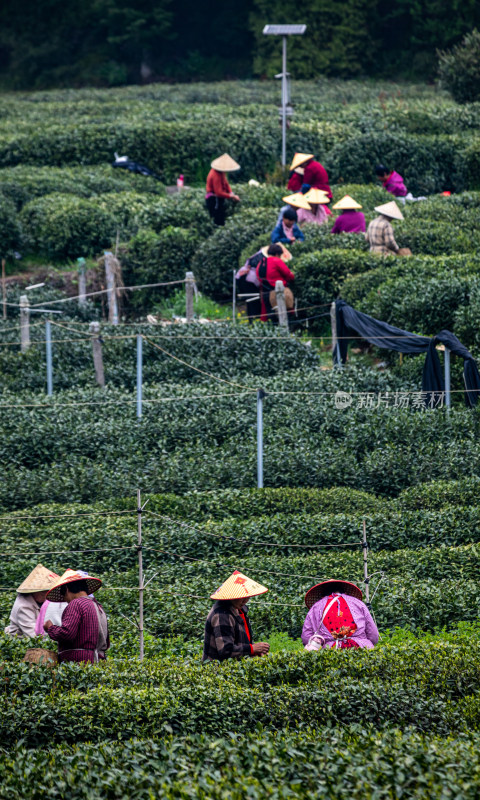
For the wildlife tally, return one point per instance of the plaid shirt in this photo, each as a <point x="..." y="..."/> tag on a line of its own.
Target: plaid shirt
<point x="77" y="636"/>
<point x="380" y="237"/>
<point x="225" y="633"/>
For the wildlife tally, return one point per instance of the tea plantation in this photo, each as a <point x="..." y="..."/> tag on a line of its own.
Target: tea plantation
<point x="401" y="721"/>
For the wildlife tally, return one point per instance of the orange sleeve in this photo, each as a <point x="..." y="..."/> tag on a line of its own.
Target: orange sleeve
<point x="219" y="184"/>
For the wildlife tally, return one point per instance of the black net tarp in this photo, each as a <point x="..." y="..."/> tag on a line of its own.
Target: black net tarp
<point x="352" y="324"/>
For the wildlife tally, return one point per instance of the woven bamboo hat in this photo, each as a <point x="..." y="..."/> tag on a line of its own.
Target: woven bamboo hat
<point x="297" y="200"/>
<point x="237" y="586"/>
<point x="69" y="576"/>
<point x="225" y="163"/>
<point x="317" y="196"/>
<point x="40" y="579"/>
<point x="346" y="203"/>
<point x="390" y="210"/>
<point x="286" y="254"/>
<point x="299" y="159"/>
<point x="328" y="587"/>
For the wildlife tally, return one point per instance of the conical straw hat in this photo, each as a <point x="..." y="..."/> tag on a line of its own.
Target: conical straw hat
<point x="40" y="579"/>
<point x="69" y="576"/>
<point x="297" y="200"/>
<point x="237" y="586"/>
<point x="328" y="587"/>
<point x="299" y="159"/>
<point x="225" y="163"/>
<point x="390" y="210"/>
<point x="346" y="203"/>
<point x="317" y="196"/>
<point x="286" y="254"/>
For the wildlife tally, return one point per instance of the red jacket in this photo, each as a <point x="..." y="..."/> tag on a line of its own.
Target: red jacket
<point x="317" y="177"/>
<point x="217" y="184"/>
<point x="277" y="270"/>
<point x="295" y="183"/>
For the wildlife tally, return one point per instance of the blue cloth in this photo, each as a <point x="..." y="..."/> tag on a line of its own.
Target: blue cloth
<point x="278" y="234"/>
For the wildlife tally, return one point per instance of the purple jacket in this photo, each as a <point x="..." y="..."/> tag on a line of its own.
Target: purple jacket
<point x="395" y="185"/>
<point x="349" y="221"/>
<point x="366" y="634"/>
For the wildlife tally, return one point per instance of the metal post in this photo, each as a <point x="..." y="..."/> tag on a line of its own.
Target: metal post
<point x="281" y="305"/>
<point x="24" y="323"/>
<point x="284" y="100"/>
<point x="82" y="282"/>
<point x="4" y="290"/>
<point x="94" y="330"/>
<point x="366" y="579"/>
<point x="139" y="373"/>
<point x="111" y="290"/>
<point x="448" y="397"/>
<point x="140" y="574"/>
<point x="260" y="395"/>
<point x="234" y="298"/>
<point x="48" y="345"/>
<point x="189" y="289"/>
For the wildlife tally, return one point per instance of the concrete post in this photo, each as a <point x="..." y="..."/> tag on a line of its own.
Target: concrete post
<point x="189" y="289"/>
<point x="94" y="330"/>
<point x="24" y="323"/>
<point x="281" y="305"/>
<point x="82" y="282"/>
<point x="48" y="346"/>
<point x="111" y="288"/>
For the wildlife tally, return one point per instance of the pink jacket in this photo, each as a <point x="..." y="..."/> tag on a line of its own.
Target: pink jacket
<point x="366" y="634"/>
<point x="395" y="185"/>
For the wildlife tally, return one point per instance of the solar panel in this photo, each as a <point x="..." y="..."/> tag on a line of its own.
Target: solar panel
<point x="284" y="30"/>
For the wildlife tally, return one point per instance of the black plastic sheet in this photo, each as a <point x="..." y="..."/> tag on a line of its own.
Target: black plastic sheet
<point x="352" y="324"/>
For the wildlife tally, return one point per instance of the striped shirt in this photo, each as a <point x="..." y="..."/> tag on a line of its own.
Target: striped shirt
<point x="77" y="636"/>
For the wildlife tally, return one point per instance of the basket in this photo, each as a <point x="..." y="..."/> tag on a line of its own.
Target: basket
<point x="289" y="299"/>
<point x="37" y="655"/>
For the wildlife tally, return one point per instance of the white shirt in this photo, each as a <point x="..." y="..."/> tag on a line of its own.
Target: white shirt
<point x="23" y="616"/>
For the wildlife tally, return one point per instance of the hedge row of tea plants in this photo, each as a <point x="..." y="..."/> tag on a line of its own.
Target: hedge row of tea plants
<point x="418" y="589"/>
<point x="283" y="691"/>
<point x="84" y="444"/>
<point x="228" y="351"/>
<point x="185" y="139"/>
<point x="348" y="763"/>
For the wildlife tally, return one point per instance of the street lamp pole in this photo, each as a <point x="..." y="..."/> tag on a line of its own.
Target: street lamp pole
<point x="284" y="100"/>
<point x="284" y="31"/>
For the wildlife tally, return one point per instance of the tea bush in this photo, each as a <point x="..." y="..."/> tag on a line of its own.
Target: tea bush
<point x="381" y="449"/>
<point x="428" y="163"/>
<point x="153" y="258"/>
<point x="395" y="762"/>
<point x="232" y="351"/>
<point x="25" y="183"/>
<point x="218" y="255"/>
<point x="65" y="225"/>
<point x="10" y="228"/>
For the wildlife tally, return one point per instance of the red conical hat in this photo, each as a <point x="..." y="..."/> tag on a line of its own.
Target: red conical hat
<point x="69" y="576"/>
<point x="328" y="587"/>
